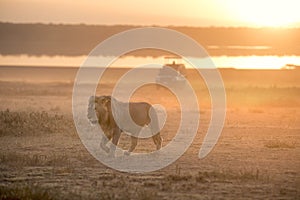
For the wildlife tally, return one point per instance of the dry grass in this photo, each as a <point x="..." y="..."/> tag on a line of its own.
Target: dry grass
<point x="22" y="160"/>
<point x="33" y="123"/>
<point x="24" y="192"/>
<point x="263" y="97"/>
<point x="243" y="175"/>
<point x="177" y="177"/>
<point x="256" y="110"/>
<point x="273" y="144"/>
<point x="35" y="89"/>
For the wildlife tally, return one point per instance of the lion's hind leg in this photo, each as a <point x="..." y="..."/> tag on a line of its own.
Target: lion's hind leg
<point x="157" y="139"/>
<point x="133" y="144"/>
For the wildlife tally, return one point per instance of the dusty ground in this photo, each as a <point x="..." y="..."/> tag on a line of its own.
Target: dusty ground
<point x="257" y="156"/>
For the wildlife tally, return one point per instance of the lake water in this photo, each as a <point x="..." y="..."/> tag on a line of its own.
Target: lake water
<point x="238" y="62"/>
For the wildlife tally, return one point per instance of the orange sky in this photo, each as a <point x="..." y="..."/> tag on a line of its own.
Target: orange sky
<point x="255" y="13"/>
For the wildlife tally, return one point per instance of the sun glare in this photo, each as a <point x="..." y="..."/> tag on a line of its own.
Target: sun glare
<point x="268" y="13"/>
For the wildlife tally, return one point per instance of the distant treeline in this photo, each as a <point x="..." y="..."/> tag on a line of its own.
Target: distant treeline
<point x="74" y="40"/>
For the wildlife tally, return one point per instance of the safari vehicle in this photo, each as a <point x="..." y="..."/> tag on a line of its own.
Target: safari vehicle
<point x="173" y="73"/>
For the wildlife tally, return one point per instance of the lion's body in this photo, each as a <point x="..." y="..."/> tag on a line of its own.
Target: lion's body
<point x="139" y="112"/>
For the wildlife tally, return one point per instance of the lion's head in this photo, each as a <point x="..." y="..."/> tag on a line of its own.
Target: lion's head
<point x="98" y="109"/>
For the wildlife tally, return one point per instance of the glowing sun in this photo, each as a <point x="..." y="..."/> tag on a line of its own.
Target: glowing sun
<point x="268" y="13"/>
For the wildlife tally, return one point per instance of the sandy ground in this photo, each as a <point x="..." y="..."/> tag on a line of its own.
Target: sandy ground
<point x="257" y="156"/>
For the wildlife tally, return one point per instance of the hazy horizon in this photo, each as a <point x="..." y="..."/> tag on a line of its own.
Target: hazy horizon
<point x="69" y="45"/>
<point x="230" y="26"/>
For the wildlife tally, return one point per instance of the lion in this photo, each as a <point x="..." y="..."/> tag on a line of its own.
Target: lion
<point x="100" y="111"/>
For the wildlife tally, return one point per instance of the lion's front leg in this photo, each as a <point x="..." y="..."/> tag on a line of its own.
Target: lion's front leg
<point x="115" y="140"/>
<point x="157" y="139"/>
<point x="104" y="141"/>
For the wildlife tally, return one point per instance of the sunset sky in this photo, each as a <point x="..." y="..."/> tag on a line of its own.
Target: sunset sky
<point x="254" y="13"/>
<point x="197" y="13"/>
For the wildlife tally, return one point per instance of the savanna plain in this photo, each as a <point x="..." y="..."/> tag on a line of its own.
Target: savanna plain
<point x="257" y="155"/>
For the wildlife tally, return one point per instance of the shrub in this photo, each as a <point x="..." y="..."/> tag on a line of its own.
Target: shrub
<point x="32" y="123"/>
<point x="24" y="192"/>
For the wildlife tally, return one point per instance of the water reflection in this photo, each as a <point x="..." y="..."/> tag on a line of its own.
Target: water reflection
<point x="239" y="62"/>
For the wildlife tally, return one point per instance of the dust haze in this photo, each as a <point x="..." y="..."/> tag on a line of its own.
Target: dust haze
<point x="257" y="155"/>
